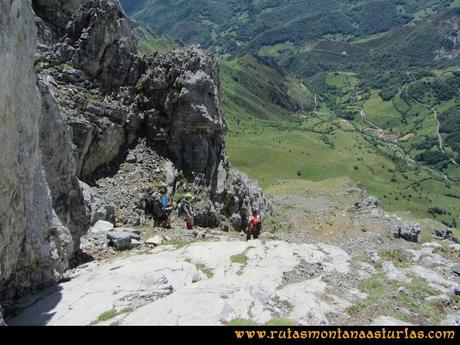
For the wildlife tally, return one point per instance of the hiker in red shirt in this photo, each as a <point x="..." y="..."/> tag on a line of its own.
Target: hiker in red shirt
<point x="254" y="226"/>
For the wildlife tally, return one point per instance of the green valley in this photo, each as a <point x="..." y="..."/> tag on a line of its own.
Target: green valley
<point x="315" y="90"/>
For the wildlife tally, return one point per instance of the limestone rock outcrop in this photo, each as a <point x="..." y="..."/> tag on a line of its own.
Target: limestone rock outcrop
<point x="115" y="101"/>
<point x="57" y="12"/>
<point x="181" y="93"/>
<point x="39" y="205"/>
<point x="410" y="231"/>
<point x="98" y="41"/>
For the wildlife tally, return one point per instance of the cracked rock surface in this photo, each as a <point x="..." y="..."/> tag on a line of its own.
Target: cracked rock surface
<point x="161" y="287"/>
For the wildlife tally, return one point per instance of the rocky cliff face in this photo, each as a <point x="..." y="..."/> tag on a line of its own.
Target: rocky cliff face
<point x="94" y="106"/>
<point x="36" y="170"/>
<point x="180" y="93"/>
<point x="448" y="27"/>
<point x="117" y="103"/>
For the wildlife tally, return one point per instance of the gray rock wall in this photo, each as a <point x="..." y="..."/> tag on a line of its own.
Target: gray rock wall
<point x="35" y="245"/>
<point x="2" y="322"/>
<point x="57" y="12"/>
<point x="188" y="125"/>
<point x="58" y="161"/>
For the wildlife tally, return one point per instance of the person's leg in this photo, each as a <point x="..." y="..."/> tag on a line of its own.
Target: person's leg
<point x="168" y="221"/>
<point x="160" y="221"/>
<point x="257" y="232"/>
<point x="244" y="223"/>
<point x="189" y="222"/>
<point x="248" y="234"/>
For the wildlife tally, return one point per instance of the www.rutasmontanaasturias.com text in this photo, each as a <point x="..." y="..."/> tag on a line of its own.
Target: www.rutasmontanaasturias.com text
<point x="379" y="333"/>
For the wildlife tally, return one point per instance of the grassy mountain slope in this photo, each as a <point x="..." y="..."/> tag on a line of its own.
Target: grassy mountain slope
<point x="254" y="89"/>
<point x="320" y="147"/>
<point x="148" y="42"/>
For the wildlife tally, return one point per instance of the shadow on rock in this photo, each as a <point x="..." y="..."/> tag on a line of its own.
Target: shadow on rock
<point x="38" y="309"/>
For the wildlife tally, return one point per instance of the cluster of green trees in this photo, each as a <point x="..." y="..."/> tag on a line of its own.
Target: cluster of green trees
<point x="434" y="158"/>
<point x="436" y="91"/>
<point x="450" y="127"/>
<point x="378" y="16"/>
<point x="425" y="144"/>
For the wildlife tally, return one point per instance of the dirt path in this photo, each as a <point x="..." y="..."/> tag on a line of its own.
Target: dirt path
<point x="438" y="125"/>
<point x="362" y="113"/>
<point x="438" y="132"/>
<point x="333" y="52"/>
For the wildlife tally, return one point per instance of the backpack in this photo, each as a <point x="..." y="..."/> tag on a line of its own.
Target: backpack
<point x="157" y="209"/>
<point x="184" y="207"/>
<point x="154" y="206"/>
<point x="255" y="224"/>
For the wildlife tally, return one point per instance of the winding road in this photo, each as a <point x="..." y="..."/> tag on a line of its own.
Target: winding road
<point x="362" y="113"/>
<point x="438" y="124"/>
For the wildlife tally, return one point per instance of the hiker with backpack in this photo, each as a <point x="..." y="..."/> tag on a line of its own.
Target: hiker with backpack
<point x="167" y="207"/>
<point x="160" y="208"/>
<point x="254" y="226"/>
<point x="185" y="210"/>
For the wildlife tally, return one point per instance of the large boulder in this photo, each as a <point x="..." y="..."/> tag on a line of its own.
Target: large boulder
<point x="103" y="210"/>
<point x="155" y="240"/>
<point x="442" y="233"/>
<point x="134" y="234"/>
<point x="410" y="232"/>
<point x="101" y="226"/>
<point x="95" y="242"/>
<point x="368" y="202"/>
<point x="120" y="240"/>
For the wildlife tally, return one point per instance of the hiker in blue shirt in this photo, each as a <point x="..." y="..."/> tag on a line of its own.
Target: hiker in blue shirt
<point x="166" y="206"/>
